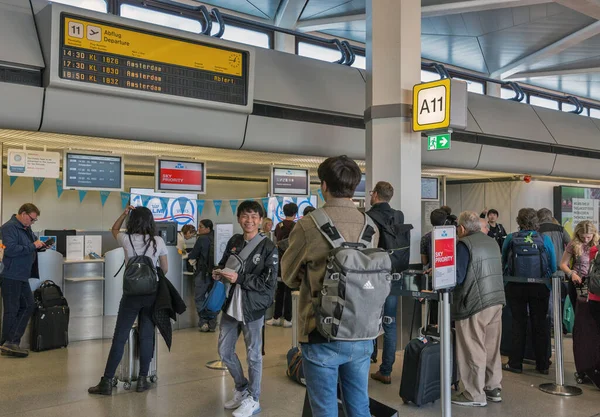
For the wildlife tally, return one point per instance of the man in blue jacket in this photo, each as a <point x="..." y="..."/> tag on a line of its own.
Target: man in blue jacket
<point x="19" y="258"/>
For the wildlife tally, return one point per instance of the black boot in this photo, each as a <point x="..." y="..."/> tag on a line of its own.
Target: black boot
<point x="103" y="388"/>
<point x="143" y="384"/>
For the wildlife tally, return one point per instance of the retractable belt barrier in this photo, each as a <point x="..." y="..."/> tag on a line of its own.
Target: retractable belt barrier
<point x="525" y="280"/>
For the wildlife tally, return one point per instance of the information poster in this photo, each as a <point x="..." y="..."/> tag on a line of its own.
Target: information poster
<point x="75" y="246"/>
<point x="275" y="211"/>
<point x="444" y="257"/>
<point x="93" y="244"/>
<point x="573" y="205"/>
<point x="180" y="208"/>
<point x="22" y="163"/>
<point x="223" y="232"/>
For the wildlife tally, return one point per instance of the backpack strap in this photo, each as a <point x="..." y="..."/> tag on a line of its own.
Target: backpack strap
<point x="327" y="228"/>
<point x="249" y="248"/>
<point x="366" y="235"/>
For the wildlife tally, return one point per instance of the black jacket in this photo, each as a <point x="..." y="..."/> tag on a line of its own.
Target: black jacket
<point x="388" y="213"/>
<point x="203" y="253"/>
<point x="166" y="307"/>
<point x="258" y="279"/>
<point x="20" y="255"/>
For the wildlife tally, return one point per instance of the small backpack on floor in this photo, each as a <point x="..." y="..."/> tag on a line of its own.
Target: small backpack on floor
<point x="357" y="281"/>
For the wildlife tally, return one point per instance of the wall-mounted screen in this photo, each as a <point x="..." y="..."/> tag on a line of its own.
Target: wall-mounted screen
<point x="290" y="181"/>
<point x="275" y="211"/>
<point x="180" y="176"/>
<point x="180" y="208"/>
<point x="87" y="171"/>
<point x="361" y="189"/>
<point x="430" y="188"/>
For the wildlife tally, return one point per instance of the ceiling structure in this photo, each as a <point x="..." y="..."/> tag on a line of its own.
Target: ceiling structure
<point x="550" y="44"/>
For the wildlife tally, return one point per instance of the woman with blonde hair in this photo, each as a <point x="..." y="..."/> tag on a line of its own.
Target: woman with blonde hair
<point x="578" y="255"/>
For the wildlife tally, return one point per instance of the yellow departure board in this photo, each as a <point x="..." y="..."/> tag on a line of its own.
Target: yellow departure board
<point x="123" y="57"/>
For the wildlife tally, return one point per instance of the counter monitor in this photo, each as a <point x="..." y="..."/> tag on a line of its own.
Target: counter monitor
<point x="180" y="176"/>
<point x="86" y="171"/>
<point x="289" y="181"/>
<point x="124" y="57"/>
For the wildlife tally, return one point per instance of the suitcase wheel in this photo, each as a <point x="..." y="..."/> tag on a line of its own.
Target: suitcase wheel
<point x="153" y="379"/>
<point x="115" y="382"/>
<point x="405" y="401"/>
<point x="127" y="385"/>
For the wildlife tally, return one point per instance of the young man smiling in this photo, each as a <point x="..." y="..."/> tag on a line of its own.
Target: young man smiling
<point x="250" y="265"/>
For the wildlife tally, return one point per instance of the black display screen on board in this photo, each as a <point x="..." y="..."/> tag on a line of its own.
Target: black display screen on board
<point x="91" y="172"/>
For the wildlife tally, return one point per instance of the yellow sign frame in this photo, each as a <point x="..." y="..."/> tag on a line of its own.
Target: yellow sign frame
<point x="445" y="124"/>
<point x="138" y="44"/>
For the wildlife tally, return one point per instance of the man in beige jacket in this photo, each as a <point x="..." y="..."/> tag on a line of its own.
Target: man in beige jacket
<point x="323" y="361"/>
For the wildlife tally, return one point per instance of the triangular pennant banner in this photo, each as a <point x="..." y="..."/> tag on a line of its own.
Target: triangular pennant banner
<point x="265" y="203"/>
<point x="234" y="204"/>
<point x="104" y="196"/>
<point x="217" y="204"/>
<point x="164" y="204"/>
<point x="320" y="194"/>
<point x="125" y="199"/>
<point x="82" y="194"/>
<point x="37" y="181"/>
<point x="145" y="200"/>
<point x="59" y="187"/>
<point x="12" y="180"/>
<point x="182" y="203"/>
<point x="280" y="200"/>
<point x="200" y="206"/>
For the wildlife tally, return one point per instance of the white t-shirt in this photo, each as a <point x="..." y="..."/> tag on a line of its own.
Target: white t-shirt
<point x="139" y="246"/>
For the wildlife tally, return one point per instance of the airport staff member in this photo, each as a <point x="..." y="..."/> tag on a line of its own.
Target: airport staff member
<point x="19" y="266"/>
<point x="186" y="233"/>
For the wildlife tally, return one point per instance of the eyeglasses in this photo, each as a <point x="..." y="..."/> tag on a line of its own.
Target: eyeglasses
<point x="31" y="218"/>
<point x="371" y="193"/>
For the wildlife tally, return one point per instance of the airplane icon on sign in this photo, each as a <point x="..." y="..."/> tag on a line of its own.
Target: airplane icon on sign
<point x="94" y="33"/>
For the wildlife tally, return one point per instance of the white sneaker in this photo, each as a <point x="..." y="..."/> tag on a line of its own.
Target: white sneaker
<point x="287" y="324"/>
<point x="248" y="408"/>
<point x="274" y="322"/>
<point x="237" y="400"/>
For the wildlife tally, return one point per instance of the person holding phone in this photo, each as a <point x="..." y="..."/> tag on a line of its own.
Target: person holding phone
<point x="20" y="264"/>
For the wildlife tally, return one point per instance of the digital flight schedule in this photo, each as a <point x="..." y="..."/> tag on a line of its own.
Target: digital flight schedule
<point x="92" y="172"/>
<point x="111" y="55"/>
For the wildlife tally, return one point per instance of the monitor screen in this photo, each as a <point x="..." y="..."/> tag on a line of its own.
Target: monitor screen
<point x="180" y="176"/>
<point x="289" y="181"/>
<point x="275" y="211"/>
<point x="168" y="232"/>
<point x="361" y="189"/>
<point x="85" y="171"/>
<point x="430" y="189"/>
<point x="181" y="208"/>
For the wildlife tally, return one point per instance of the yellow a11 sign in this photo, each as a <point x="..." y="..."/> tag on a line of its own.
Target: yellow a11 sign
<point x="431" y="105"/>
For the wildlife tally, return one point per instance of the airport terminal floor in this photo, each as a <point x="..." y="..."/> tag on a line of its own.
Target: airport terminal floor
<point x="54" y="384"/>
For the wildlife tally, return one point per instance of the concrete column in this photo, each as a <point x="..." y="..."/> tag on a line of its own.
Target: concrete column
<point x="493" y="89"/>
<point x="393" y="151"/>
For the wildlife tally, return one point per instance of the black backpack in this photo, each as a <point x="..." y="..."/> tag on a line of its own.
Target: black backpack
<point x="49" y="294"/>
<point x="140" y="277"/>
<point x="528" y="256"/>
<point x="395" y="238"/>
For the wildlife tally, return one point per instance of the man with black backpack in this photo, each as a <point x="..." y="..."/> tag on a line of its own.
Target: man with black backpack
<point x="394" y="236"/>
<point x="525" y="255"/>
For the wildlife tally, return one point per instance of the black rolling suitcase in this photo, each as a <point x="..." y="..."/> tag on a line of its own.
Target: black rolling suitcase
<point x="586" y="344"/>
<point x="50" y="320"/>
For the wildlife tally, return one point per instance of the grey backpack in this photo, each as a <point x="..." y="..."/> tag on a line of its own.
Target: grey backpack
<point x="357" y="281"/>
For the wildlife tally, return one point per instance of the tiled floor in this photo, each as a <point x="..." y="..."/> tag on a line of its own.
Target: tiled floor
<point x="54" y="384"/>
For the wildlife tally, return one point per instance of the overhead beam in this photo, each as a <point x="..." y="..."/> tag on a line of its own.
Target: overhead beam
<point x="550" y="50"/>
<point x="467" y="6"/>
<point x="587" y="7"/>
<point x="288" y="13"/>
<point x="552" y="73"/>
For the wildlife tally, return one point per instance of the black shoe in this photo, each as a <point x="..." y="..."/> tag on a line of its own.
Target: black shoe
<point x="143" y="384"/>
<point x="507" y="367"/>
<point x="103" y="388"/>
<point x="543" y="371"/>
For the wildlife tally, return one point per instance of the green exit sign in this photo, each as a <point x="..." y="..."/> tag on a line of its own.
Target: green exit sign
<point x="438" y="142"/>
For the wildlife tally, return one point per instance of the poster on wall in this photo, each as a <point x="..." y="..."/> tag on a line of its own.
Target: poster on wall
<point x="180" y="208"/>
<point x="23" y="163"/>
<point x="275" y="210"/>
<point x="223" y="232"/>
<point x="573" y="205"/>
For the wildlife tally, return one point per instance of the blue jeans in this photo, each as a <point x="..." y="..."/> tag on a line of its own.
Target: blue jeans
<point x="230" y="332"/>
<point x="18" y="308"/>
<point x="131" y="308"/>
<point x="389" y="336"/>
<point x="324" y="363"/>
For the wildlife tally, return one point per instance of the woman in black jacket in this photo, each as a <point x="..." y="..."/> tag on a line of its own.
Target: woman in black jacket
<point x="139" y="239"/>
